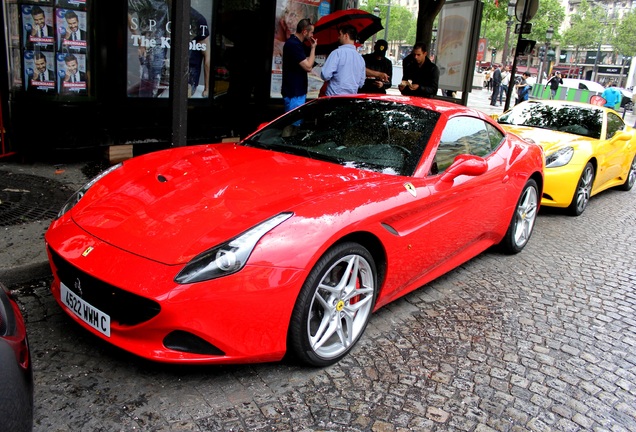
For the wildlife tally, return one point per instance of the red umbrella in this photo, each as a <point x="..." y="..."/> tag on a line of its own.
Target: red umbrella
<point x="326" y="28"/>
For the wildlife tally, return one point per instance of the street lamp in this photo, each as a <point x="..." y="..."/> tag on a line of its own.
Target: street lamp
<point x="549" y="33"/>
<point x="434" y="39"/>
<point x="511" y="13"/>
<point x="386" y="27"/>
<point x="376" y="12"/>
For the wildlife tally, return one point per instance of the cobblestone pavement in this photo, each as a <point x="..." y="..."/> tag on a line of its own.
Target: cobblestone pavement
<point x="541" y="341"/>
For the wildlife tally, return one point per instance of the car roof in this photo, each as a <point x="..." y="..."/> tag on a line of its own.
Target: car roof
<point x="591" y="85"/>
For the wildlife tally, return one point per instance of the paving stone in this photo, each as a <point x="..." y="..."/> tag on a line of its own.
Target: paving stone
<point x="544" y="340"/>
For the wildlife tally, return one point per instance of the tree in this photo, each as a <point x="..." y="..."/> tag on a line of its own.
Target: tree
<point x="624" y="40"/>
<point x="401" y="21"/>
<point x="427" y="13"/>
<point x="586" y="30"/>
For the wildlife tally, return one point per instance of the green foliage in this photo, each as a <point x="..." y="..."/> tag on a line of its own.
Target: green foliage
<point x="401" y="22"/>
<point x="624" y="40"/>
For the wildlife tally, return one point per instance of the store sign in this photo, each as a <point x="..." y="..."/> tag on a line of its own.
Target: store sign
<point x="609" y="70"/>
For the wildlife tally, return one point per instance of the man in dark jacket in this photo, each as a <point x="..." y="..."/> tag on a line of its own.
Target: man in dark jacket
<point x="554" y="82"/>
<point x="379" y="69"/>
<point x="421" y="76"/>
<point x="496" y="82"/>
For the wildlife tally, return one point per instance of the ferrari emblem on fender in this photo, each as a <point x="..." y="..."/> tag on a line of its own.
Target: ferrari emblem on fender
<point x="409" y="187"/>
<point x="87" y="251"/>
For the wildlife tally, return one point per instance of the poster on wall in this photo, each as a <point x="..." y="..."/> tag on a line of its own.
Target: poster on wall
<point x="71" y="73"/>
<point x="37" y="27"/>
<point x="453" y="46"/>
<point x="288" y="13"/>
<point x="39" y="72"/>
<point x="148" y="49"/>
<point x="71" y="31"/>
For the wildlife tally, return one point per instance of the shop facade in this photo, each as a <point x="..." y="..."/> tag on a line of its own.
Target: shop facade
<point x="86" y="74"/>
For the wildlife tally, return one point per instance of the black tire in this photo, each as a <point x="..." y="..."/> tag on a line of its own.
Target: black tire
<point x="523" y="219"/>
<point x="631" y="178"/>
<point x="333" y="309"/>
<point x="583" y="191"/>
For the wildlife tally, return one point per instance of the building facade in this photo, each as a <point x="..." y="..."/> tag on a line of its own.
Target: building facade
<point x="91" y="74"/>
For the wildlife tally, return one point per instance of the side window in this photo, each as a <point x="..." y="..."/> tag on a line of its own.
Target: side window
<point x="614" y="124"/>
<point x="462" y="135"/>
<point x="496" y="136"/>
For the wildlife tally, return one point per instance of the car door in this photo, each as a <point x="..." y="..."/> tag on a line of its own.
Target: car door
<point x="463" y="213"/>
<point x="611" y="154"/>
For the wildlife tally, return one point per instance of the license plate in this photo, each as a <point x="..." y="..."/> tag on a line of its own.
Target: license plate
<point x="85" y="311"/>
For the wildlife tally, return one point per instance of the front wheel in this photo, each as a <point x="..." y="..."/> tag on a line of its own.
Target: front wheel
<point x="334" y="305"/>
<point x="522" y="223"/>
<point x="583" y="191"/>
<point x="631" y="177"/>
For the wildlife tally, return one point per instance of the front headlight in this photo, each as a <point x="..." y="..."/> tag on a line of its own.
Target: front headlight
<point x="77" y="196"/>
<point x="559" y="158"/>
<point x="229" y="257"/>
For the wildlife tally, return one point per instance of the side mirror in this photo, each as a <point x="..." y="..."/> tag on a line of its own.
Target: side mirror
<point x="465" y="164"/>
<point x="621" y="136"/>
<point x="495" y="117"/>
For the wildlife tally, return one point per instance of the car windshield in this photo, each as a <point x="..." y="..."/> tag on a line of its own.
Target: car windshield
<point x="376" y="135"/>
<point x="578" y="120"/>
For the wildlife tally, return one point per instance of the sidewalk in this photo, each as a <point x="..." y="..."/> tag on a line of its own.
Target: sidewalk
<point x="32" y="194"/>
<point x="30" y="197"/>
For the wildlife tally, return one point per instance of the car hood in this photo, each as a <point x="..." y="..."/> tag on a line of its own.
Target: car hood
<point x="170" y="206"/>
<point x="549" y="140"/>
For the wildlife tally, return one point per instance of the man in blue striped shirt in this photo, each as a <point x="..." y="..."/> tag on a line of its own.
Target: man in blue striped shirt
<point x="344" y="71"/>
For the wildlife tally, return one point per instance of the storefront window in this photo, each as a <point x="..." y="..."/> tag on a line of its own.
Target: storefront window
<point x="48" y="47"/>
<point x="148" y="48"/>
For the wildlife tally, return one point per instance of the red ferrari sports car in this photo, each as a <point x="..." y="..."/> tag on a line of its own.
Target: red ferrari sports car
<point x="287" y="241"/>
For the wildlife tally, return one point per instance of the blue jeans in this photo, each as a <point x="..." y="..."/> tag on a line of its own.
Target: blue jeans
<point x="294" y="102"/>
<point x="503" y="90"/>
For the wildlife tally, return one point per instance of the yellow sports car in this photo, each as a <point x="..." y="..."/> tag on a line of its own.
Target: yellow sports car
<point x="587" y="149"/>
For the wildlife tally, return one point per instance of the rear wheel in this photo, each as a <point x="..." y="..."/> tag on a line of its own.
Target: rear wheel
<point x="522" y="223"/>
<point x="583" y="191"/>
<point x="631" y="177"/>
<point x="334" y="305"/>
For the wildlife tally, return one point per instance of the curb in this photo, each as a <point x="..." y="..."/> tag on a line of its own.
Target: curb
<point x="25" y="273"/>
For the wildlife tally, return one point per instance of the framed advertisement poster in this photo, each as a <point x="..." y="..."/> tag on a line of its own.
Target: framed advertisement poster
<point x="454" y="46"/>
<point x="71" y="72"/>
<point x="148" y="49"/>
<point x="37" y="27"/>
<point x="40" y="35"/>
<point x="39" y="72"/>
<point x="288" y="13"/>
<point x="71" y="32"/>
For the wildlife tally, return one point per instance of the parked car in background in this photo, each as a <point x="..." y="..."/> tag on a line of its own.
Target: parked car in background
<point x="581" y="84"/>
<point x="287" y="241"/>
<point x="16" y="375"/>
<point x="588" y="149"/>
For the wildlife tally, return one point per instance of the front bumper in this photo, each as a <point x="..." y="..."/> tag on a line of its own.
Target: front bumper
<point x="560" y="185"/>
<point x="240" y="318"/>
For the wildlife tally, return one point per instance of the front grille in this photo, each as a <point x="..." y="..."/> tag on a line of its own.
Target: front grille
<point x="123" y="307"/>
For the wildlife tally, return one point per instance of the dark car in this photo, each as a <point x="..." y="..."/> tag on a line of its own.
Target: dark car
<point x="16" y="376"/>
